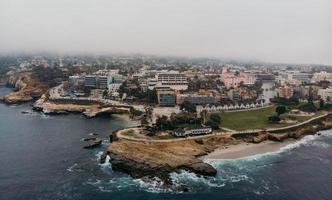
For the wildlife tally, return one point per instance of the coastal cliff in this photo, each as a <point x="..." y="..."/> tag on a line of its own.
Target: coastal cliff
<point x="88" y="109"/>
<point x="158" y="159"/>
<point x="26" y="88"/>
<point x="144" y="159"/>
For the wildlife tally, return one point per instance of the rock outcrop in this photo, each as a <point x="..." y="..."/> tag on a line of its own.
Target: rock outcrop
<point x="260" y="138"/>
<point x="89" y="110"/>
<point x="158" y="159"/>
<point x="278" y="137"/>
<point x="26" y="88"/>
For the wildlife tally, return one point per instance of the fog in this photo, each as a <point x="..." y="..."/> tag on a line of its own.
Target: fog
<point x="295" y="31"/>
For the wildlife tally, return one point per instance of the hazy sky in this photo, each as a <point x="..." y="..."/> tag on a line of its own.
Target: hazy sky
<point x="297" y="31"/>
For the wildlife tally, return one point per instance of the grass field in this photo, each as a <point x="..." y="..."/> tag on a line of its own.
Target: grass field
<point x="254" y="119"/>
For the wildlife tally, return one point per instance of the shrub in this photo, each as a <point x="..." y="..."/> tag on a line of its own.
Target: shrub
<point x="274" y="119"/>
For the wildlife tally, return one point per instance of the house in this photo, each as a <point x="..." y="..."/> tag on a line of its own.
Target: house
<point x="192" y="132"/>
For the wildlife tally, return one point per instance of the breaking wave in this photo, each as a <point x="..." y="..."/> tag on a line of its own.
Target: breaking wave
<point x="230" y="172"/>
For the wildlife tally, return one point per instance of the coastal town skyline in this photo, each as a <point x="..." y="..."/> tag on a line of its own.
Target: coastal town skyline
<point x="269" y="31"/>
<point x="165" y="99"/>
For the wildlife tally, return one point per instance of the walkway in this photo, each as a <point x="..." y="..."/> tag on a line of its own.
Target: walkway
<point x="281" y="128"/>
<point x="120" y="135"/>
<point x="230" y="132"/>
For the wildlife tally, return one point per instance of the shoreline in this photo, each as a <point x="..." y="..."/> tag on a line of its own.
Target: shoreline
<point x="243" y="150"/>
<point x="127" y="119"/>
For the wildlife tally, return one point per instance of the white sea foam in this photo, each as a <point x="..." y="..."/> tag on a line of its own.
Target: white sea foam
<point x="309" y="140"/>
<point x="229" y="171"/>
<point x="186" y="177"/>
<point x="99" y="154"/>
<point x="154" y="185"/>
<point x="90" y="182"/>
<point x="71" y="168"/>
<point x="44" y="116"/>
<point x="107" y="163"/>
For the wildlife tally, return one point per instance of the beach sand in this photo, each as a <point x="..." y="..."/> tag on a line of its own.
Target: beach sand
<point x="247" y="149"/>
<point x="126" y="118"/>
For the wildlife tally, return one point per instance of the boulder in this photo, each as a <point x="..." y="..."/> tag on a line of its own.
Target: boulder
<point x="95" y="142"/>
<point x="295" y="135"/>
<point x="278" y="137"/>
<point x="201" y="168"/>
<point x="260" y="138"/>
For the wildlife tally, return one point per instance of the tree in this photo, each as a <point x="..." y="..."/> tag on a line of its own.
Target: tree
<point x="286" y="102"/>
<point x="214" y="121"/>
<point x="274" y="119"/>
<point x="203" y="115"/>
<point x="212" y="124"/>
<point x="152" y="96"/>
<point x="280" y="110"/>
<point x="308" y="107"/>
<point x="162" y="122"/>
<point x="321" y="103"/>
<point x="215" y="117"/>
<point x="105" y="93"/>
<point x="188" y="106"/>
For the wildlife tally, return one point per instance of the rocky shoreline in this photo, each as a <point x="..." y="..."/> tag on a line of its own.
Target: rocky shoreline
<point x="26" y="88"/>
<point x="88" y="110"/>
<point x="149" y="159"/>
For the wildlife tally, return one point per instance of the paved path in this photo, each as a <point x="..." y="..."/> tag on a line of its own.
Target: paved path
<point x="230" y="132"/>
<point x="121" y="136"/>
<point x="282" y="128"/>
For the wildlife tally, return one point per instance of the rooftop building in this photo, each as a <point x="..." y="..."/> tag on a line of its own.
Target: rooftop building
<point x="285" y="92"/>
<point x="235" y="79"/>
<point x="166" y="97"/>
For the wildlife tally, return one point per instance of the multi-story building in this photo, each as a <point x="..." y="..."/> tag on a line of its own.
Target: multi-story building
<point x="234" y="80"/>
<point x="265" y="77"/>
<point x="173" y="80"/>
<point x="166" y="97"/>
<point x="322" y="76"/>
<point x="118" y="78"/>
<point x="113" y="89"/>
<point x="301" y="77"/>
<point x="76" y="80"/>
<point x="234" y="95"/>
<point x="285" y="91"/>
<point x="95" y="81"/>
<point x="197" y="99"/>
<point x="325" y="94"/>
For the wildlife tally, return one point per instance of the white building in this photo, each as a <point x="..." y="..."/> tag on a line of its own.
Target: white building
<point x="174" y="80"/>
<point x="322" y="76"/>
<point x="191" y="132"/>
<point x="325" y="94"/>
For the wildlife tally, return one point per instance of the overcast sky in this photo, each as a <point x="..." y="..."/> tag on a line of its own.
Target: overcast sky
<point x="297" y="31"/>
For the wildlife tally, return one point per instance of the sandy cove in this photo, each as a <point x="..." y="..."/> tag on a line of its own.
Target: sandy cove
<point x="243" y="150"/>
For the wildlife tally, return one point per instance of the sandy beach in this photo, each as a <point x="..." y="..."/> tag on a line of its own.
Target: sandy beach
<point x="247" y="149"/>
<point x="125" y="117"/>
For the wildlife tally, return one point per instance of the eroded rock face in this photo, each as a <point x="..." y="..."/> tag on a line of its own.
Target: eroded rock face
<point x="260" y="138"/>
<point x="159" y="159"/>
<point x="278" y="137"/>
<point x="26" y="88"/>
<point x="140" y="168"/>
<point x="201" y="169"/>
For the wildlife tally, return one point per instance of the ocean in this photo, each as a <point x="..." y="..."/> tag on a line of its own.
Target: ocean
<point x="42" y="158"/>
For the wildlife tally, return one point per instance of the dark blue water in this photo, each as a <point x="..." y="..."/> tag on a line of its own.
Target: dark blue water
<point x="42" y="158"/>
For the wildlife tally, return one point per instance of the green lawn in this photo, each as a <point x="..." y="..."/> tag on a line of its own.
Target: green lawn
<point x="254" y="119"/>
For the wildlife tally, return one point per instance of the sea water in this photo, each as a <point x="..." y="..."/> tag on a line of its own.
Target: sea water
<point x="42" y="158"/>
